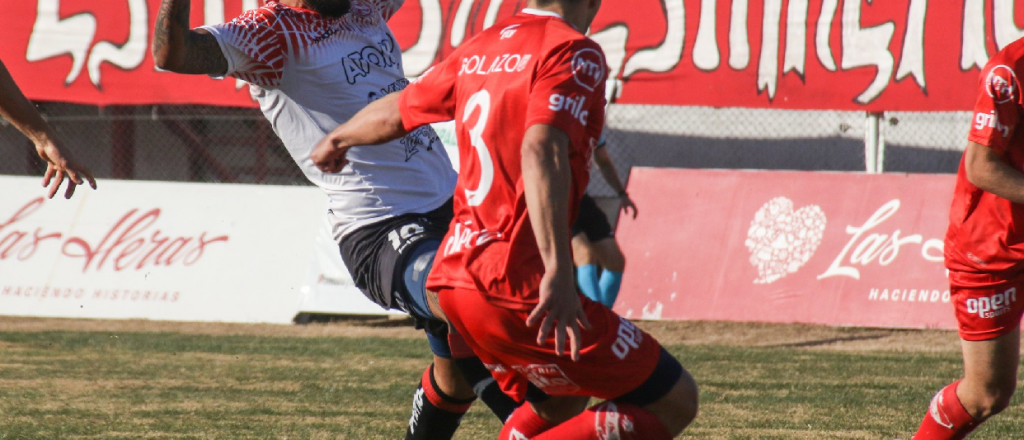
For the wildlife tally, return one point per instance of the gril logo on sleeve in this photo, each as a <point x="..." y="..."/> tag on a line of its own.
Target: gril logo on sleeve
<point x="991" y="120"/>
<point x="575" y="106"/>
<point x="588" y="68"/>
<point x="1001" y="84"/>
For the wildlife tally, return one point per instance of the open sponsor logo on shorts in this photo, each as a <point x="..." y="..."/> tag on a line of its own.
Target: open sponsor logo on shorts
<point x="629" y="337"/>
<point x="992" y="306"/>
<point x="588" y="68"/>
<point x="550" y="378"/>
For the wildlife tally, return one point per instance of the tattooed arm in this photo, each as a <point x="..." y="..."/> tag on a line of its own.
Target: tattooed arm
<point x="178" y="49"/>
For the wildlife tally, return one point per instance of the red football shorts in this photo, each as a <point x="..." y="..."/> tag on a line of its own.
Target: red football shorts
<point x="987" y="306"/>
<point x="615" y="355"/>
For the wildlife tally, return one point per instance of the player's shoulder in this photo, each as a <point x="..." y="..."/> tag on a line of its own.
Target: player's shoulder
<point x="267" y="15"/>
<point x="1011" y="56"/>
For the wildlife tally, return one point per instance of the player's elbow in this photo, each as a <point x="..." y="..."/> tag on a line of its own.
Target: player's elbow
<point x="163" y="59"/>
<point x="980" y="166"/>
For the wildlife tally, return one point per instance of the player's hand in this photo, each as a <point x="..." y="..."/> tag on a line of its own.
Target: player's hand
<point x="328" y="156"/>
<point x="559" y="309"/>
<point x="60" y="165"/>
<point x="626" y="204"/>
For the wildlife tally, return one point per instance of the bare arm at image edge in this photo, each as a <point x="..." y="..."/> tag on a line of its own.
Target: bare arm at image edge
<point x="604" y="163"/>
<point x="987" y="170"/>
<point x="17" y="109"/>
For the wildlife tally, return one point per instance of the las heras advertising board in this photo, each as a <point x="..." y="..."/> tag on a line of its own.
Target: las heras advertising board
<point x="770" y="246"/>
<point x="167" y="251"/>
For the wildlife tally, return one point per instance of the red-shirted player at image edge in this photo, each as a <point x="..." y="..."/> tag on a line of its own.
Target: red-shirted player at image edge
<point x="984" y="250"/>
<point x="505" y="266"/>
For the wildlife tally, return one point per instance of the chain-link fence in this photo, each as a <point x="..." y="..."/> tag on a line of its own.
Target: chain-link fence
<point x="172" y="143"/>
<point x="217" y="144"/>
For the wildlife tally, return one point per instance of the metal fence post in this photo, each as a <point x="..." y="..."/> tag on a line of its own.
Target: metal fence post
<point x="874" y="143"/>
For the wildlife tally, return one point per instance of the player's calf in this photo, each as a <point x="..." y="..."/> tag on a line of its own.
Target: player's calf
<point x="435" y="414"/>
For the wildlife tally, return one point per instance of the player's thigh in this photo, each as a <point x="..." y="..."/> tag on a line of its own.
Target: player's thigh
<point x="993" y="364"/>
<point x="581" y="253"/>
<point x="609" y="255"/>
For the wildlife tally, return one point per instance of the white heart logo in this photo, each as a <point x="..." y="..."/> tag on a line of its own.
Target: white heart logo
<point x="781" y="241"/>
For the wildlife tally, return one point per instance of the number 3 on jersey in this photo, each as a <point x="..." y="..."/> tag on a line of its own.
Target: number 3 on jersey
<point x="480" y="99"/>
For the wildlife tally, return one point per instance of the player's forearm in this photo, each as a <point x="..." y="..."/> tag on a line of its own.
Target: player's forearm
<point x="17" y="109"/>
<point x="375" y="124"/>
<point x="986" y="170"/>
<point x="546" y="184"/>
<point x="607" y="168"/>
<point x="612" y="177"/>
<point x="169" y="34"/>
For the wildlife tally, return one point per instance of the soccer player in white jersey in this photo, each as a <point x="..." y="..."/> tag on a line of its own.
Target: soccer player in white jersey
<point x="311" y="65"/>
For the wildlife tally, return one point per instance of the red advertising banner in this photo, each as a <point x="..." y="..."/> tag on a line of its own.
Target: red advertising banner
<point x="794" y="54"/>
<point x="769" y="246"/>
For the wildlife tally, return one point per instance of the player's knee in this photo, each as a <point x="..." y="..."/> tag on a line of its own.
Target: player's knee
<point x="679" y="407"/>
<point x="611" y="256"/>
<point x="997" y="399"/>
<point x="450" y="380"/>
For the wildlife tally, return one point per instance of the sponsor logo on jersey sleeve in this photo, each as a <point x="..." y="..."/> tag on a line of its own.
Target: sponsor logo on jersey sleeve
<point x="588" y="68"/>
<point x="574" y="105"/>
<point x="1001" y="84"/>
<point x="991" y="120"/>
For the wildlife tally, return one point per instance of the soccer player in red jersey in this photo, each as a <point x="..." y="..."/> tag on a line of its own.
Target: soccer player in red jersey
<point x="985" y="255"/>
<point x="17" y="109"/>
<point x="527" y="96"/>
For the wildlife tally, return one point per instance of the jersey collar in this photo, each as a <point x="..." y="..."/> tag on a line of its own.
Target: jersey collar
<point x="535" y="11"/>
<point x="543" y="13"/>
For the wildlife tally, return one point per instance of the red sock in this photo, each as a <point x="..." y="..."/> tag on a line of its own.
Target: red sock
<point x="946" y="418"/>
<point x="524" y="424"/>
<point x="608" y="420"/>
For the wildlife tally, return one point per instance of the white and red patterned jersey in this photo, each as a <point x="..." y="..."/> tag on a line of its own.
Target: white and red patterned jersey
<point x="986" y="232"/>
<point x="532" y="68"/>
<point x="311" y="73"/>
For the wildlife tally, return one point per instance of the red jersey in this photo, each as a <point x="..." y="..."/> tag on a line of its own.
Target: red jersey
<point x="986" y="232"/>
<point x="532" y="68"/>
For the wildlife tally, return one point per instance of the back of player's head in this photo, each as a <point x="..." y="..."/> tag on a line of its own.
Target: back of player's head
<point x="545" y="3"/>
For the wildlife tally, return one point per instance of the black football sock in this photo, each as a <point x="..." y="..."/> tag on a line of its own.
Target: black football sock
<point x="486" y="388"/>
<point x="435" y="415"/>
